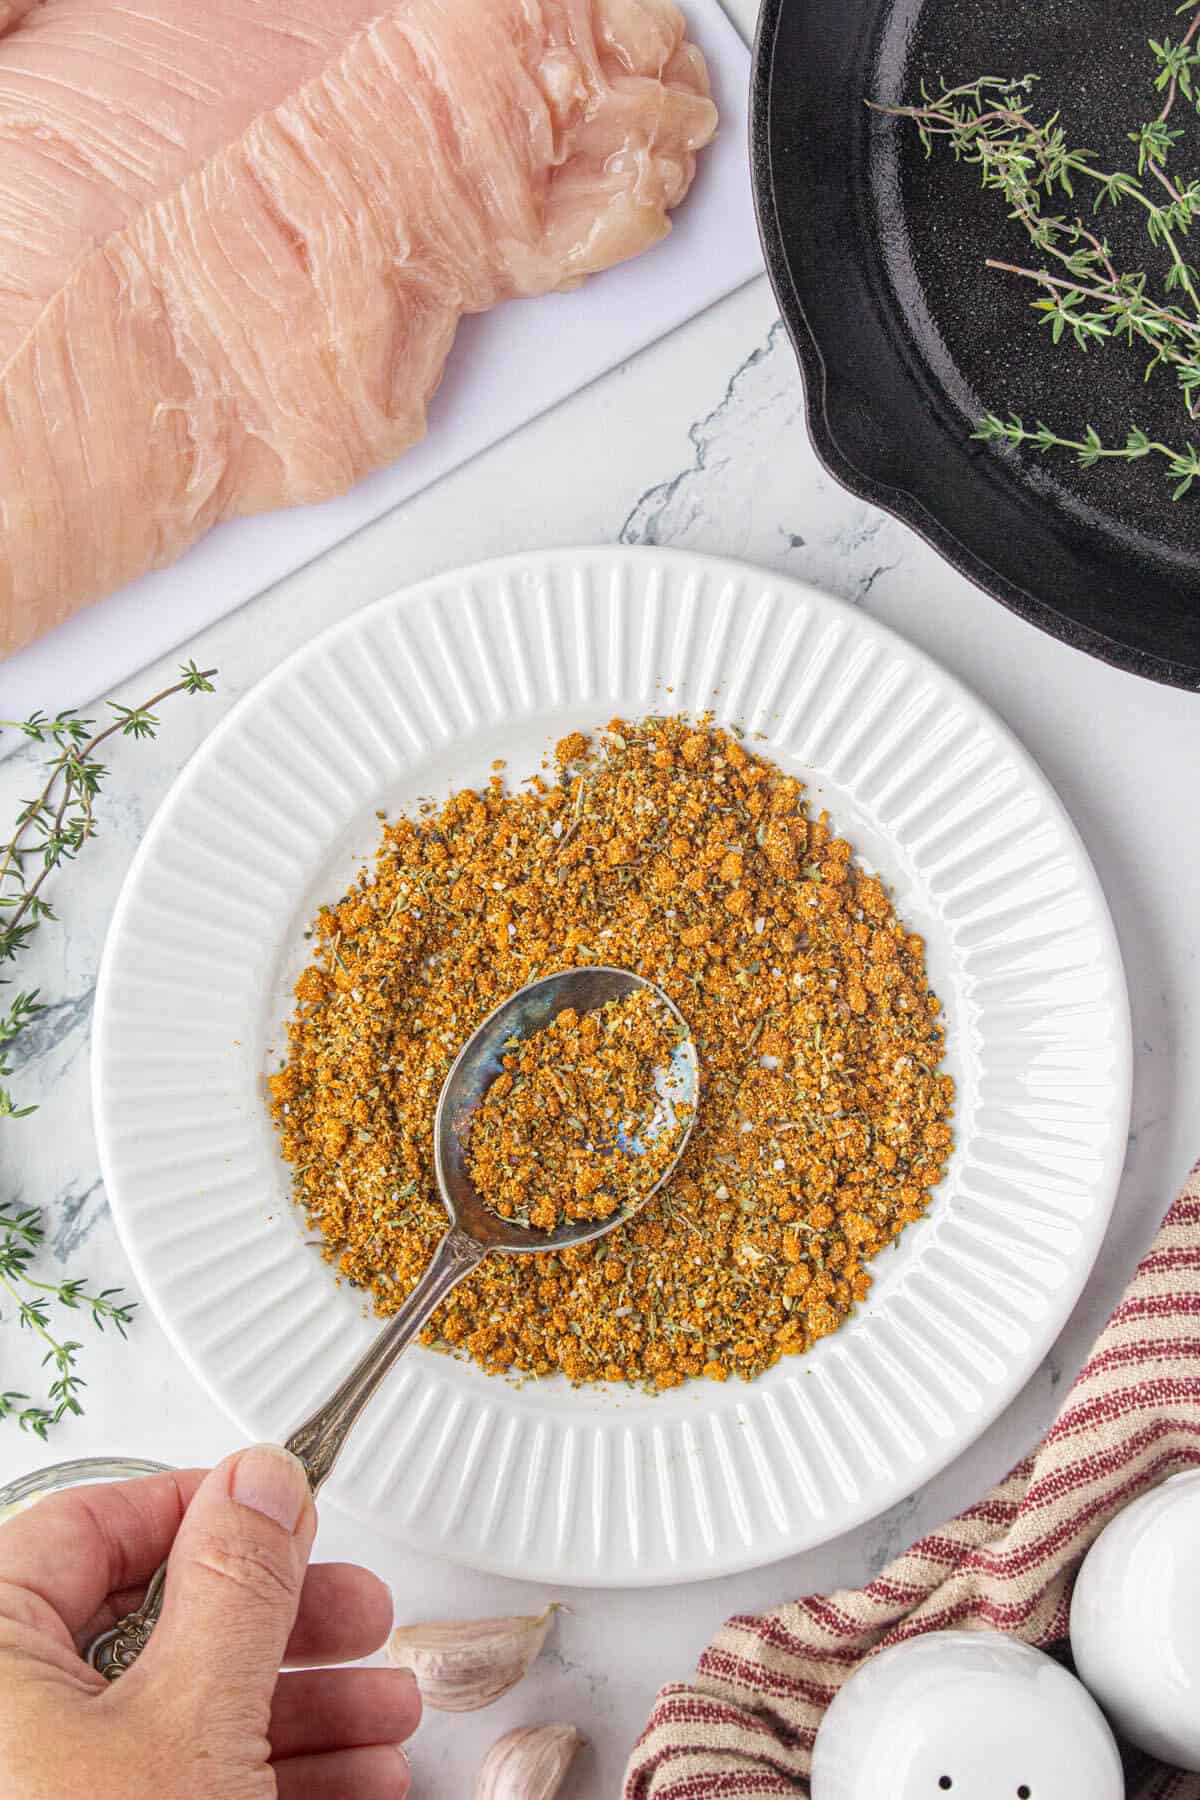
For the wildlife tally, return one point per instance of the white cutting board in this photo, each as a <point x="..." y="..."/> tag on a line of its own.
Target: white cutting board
<point x="506" y="368"/>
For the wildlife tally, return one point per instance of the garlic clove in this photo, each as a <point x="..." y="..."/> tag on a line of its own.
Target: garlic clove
<point x="528" y="1764"/>
<point x="465" y="1664"/>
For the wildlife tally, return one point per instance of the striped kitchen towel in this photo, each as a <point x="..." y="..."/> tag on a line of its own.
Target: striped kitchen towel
<point x="745" y="1725"/>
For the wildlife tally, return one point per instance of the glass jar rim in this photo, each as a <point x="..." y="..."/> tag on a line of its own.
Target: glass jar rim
<point x="57" y="1477"/>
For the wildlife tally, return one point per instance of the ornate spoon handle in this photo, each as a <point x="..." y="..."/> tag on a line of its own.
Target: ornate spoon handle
<point x="118" y="1648"/>
<point x="318" y="1442"/>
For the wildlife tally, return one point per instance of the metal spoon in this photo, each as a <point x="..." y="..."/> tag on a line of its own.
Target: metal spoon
<point x="475" y="1232"/>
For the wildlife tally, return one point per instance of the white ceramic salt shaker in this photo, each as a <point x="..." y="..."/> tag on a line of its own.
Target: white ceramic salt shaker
<point x="1135" y="1621"/>
<point x="964" y="1715"/>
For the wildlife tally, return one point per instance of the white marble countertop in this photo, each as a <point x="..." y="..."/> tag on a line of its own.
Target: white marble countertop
<point x="699" y="442"/>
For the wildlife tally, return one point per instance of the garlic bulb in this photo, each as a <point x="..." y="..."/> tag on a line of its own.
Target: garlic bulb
<point x="466" y="1664"/>
<point x="527" y="1764"/>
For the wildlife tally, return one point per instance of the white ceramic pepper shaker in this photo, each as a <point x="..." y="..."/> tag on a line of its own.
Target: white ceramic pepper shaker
<point x="1135" y="1621"/>
<point x="965" y="1715"/>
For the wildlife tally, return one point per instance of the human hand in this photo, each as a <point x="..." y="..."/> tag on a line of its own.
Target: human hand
<point x="204" y="1713"/>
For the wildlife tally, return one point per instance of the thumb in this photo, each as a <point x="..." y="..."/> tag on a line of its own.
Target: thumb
<point x="233" y="1585"/>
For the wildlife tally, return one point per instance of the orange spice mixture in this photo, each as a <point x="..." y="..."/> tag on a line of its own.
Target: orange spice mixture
<point x="568" y="1131"/>
<point x="669" y="848"/>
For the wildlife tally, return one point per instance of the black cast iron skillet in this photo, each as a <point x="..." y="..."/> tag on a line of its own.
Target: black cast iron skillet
<point x="905" y="339"/>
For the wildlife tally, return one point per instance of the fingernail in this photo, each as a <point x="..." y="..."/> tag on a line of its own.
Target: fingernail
<point x="405" y="1766"/>
<point x="269" y="1480"/>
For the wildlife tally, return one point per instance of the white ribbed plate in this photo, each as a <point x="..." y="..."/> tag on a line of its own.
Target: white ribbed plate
<point x="416" y="696"/>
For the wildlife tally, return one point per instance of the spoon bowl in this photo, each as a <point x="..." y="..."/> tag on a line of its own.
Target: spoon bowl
<point x="480" y="1060"/>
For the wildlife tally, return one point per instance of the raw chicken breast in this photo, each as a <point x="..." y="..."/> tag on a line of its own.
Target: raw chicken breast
<point x="236" y="242"/>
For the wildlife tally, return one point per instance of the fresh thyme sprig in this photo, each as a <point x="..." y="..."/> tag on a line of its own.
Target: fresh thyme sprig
<point x="1084" y="297"/>
<point x="21" y="1237"/>
<point x="1182" y="465"/>
<point x="49" y="832"/>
